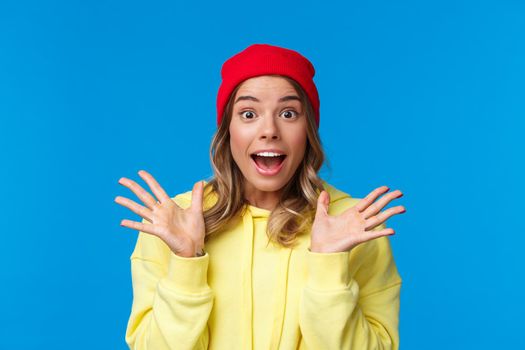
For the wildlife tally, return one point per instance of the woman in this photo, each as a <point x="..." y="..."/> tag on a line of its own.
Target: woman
<point x="266" y="255"/>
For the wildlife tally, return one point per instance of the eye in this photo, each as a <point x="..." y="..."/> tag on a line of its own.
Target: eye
<point x="289" y="114"/>
<point x="249" y="115"/>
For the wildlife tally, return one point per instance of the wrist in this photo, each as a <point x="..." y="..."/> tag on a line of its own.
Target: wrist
<point x="200" y="252"/>
<point x="324" y="250"/>
<point x="190" y="253"/>
<point x="314" y="248"/>
<point x="199" y="249"/>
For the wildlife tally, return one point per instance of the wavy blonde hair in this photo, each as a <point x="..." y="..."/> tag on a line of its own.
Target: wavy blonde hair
<point x="296" y="208"/>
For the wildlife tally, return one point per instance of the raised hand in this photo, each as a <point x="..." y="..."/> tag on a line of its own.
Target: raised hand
<point x="343" y="232"/>
<point x="183" y="230"/>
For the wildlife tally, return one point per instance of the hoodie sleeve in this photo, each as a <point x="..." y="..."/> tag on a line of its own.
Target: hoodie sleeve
<point x="351" y="299"/>
<point x="172" y="300"/>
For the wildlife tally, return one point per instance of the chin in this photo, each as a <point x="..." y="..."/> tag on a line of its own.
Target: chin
<point x="269" y="185"/>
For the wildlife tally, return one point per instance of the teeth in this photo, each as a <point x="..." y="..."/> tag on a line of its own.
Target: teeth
<point x="268" y="154"/>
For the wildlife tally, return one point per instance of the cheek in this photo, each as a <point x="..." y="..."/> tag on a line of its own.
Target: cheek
<point x="298" y="141"/>
<point x="238" y="142"/>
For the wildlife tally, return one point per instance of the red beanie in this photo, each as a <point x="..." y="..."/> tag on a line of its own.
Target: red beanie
<point x="264" y="59"/>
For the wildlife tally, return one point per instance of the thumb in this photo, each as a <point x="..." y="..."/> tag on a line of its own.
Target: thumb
<point x="196" y="196"/>
<point x="322" y="203"/>
<point x="327" y="200"/>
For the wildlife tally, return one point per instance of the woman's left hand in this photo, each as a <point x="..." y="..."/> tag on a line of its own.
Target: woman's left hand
<point x="331" y="234"/>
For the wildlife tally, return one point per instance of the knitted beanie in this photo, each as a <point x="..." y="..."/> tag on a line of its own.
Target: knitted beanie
<point x="264" y="59"/>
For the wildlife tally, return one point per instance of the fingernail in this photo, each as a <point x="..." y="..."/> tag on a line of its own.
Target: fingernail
<point x="401" y="195"/>
<point x="402" y="211"/>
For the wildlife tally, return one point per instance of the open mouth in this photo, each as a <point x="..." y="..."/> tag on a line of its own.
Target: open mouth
<point x="270" y="163"/>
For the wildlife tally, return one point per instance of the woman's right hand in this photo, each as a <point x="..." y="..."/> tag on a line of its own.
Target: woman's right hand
<point x="183" y="230"/>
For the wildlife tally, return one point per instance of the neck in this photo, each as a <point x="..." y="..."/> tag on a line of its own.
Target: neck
<point x="261" y="199"/>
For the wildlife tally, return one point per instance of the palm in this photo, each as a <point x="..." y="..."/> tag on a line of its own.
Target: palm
<point x="183" y="230"/>
<point x="355" y="225"/>
<point x="181" y="226"/>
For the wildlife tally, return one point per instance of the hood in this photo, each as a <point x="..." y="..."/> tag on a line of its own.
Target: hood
<point x="210" y="197"/>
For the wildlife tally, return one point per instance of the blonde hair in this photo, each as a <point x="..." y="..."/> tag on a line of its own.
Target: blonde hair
<point x="296" y="208"/>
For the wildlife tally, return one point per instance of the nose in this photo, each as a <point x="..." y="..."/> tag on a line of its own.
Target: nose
<point x="269" y="128"/>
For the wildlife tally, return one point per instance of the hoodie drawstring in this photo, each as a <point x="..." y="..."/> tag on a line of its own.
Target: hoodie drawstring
<point x="247" y="294"/>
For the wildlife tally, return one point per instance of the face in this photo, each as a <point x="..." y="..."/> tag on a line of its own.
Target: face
<point x="267" y="117"/>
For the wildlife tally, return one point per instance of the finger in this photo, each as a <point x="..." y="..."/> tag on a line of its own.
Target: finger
<point x="381" y="203"/>
<point x="139" y="226"/>
<point x="376" y="234"/>
<point x="196" y="196"/>
<point x="372" y="222"/>
<point x="135" y="207"/>
<point x="322" y="204"/>
<point x="370" y="198"/>
<point x="155" y="186"/>
<point x="327" y="200"/>
<point x="139" y="191"/>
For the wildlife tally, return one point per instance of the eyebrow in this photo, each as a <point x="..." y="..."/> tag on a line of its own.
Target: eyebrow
<point x="282" y="99"/>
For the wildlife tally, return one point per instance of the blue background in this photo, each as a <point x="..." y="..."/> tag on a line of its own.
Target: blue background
<point x="422" y="96"/>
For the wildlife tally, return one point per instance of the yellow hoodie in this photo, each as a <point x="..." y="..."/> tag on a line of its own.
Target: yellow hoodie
<point x="244" y="294"/>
